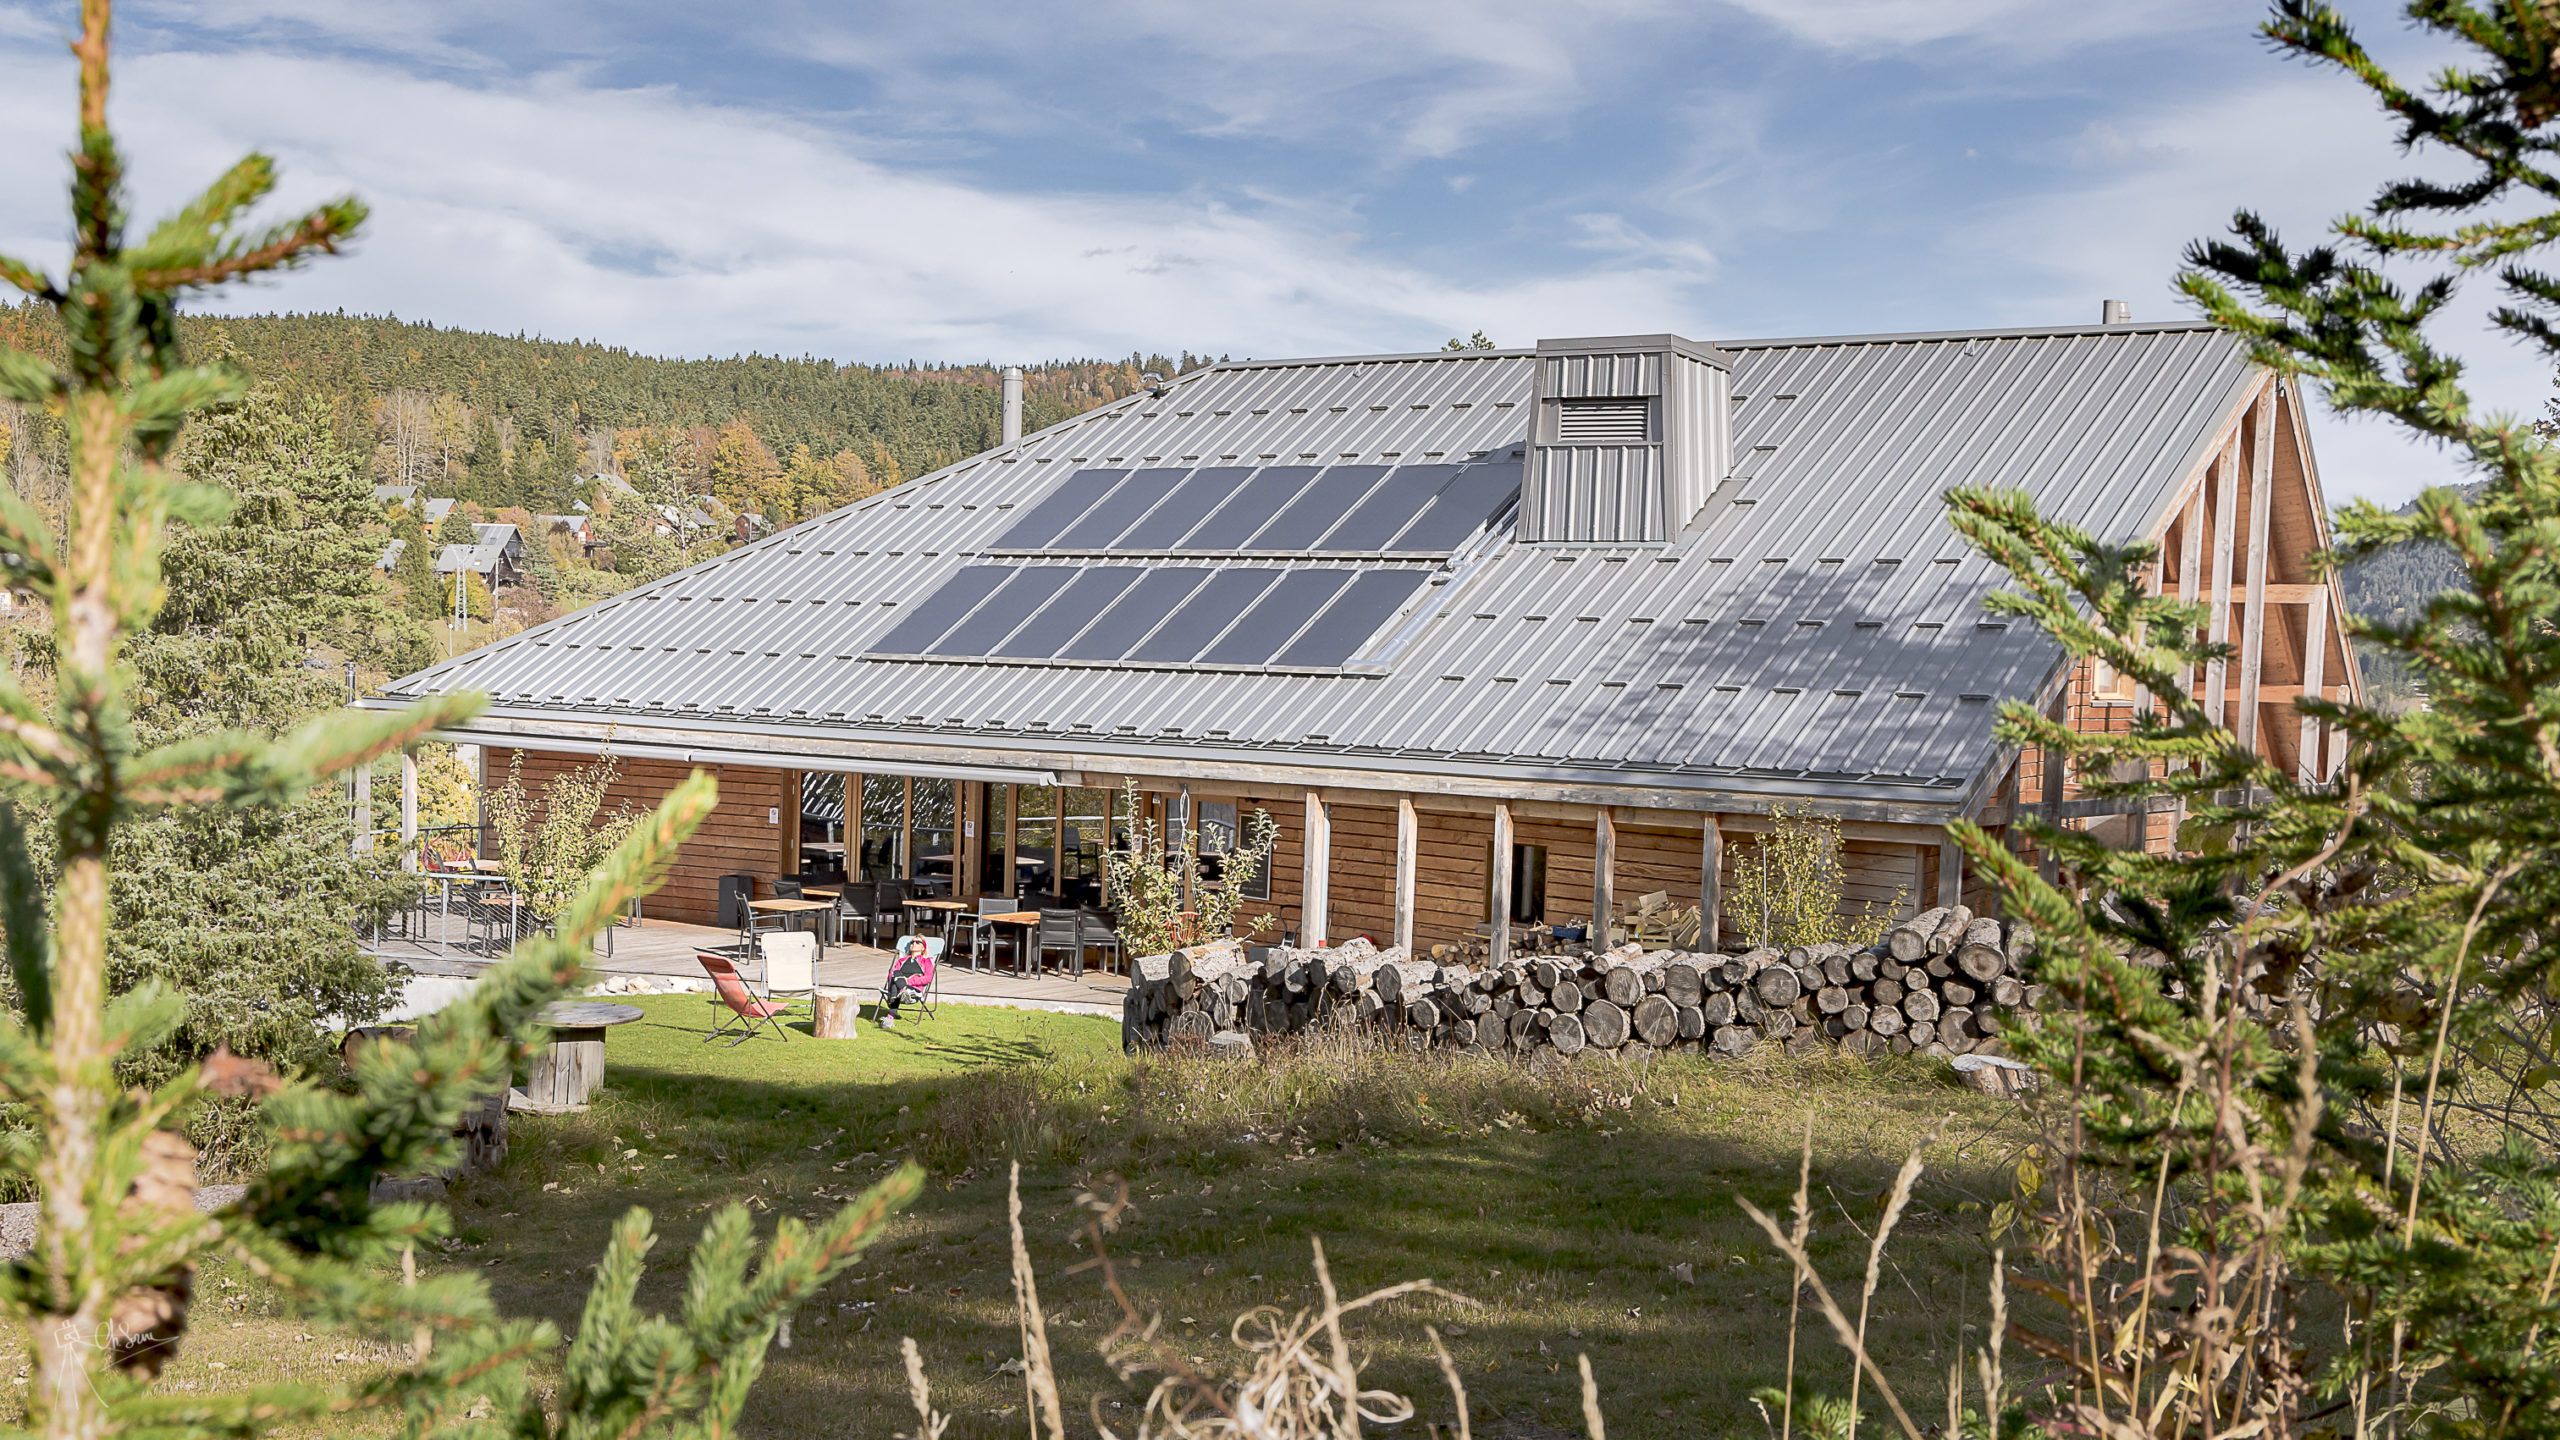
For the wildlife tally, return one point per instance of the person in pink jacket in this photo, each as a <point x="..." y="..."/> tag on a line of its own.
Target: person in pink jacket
<point x="910" y="977"/>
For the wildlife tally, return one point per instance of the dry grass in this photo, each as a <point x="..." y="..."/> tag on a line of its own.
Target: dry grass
<point x="1591" y="1212"/>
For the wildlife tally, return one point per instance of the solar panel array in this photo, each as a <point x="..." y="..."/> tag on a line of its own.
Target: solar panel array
<point x="1289" y="617"/>
<point x="1266" y="510"/>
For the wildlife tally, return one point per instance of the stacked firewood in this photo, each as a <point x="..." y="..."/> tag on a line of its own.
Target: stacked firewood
<point x="1941" y="982"/>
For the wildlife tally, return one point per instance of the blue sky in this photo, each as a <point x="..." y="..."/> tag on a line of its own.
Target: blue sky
<point x="955" y="181"/>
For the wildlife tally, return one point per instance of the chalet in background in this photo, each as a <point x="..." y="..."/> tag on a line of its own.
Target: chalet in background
<point x="1520" y="632"/>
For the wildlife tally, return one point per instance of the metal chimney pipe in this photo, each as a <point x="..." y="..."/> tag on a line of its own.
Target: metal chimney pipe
<point x="1012" y="403"/>
<point x="2115" y="312"/>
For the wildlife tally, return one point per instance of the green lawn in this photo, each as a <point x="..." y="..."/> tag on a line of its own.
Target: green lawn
<point x="1561" y="1206"/>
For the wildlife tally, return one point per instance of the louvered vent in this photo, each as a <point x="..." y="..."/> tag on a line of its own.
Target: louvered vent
<point x="1631" y="437"/>
<point x="1602" y="422"/>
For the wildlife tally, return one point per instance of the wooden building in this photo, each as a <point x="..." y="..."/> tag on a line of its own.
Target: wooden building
<point x="1526" y="632"/>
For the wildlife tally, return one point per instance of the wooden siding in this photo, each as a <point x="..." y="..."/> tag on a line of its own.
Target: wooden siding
<point x="735" y="838"/>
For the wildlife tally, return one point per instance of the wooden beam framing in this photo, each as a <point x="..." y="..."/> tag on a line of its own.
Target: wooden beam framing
<point x="1498" y="925"/>
<point x="1012" y="840"/>
<point x="907" y="827"/>
<point x="1604" y="874"/>
<point x="2315" y="656"/>
<point x="1408" y="842"/>
<point x="2253" y="624"/>
<point x="1711" y="886"/>
<point x="2226" y="519"/>
<point x="1315" y="870"/>
<point x="2190" y="569"/>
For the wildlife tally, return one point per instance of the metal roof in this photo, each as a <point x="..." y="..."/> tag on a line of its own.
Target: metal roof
<point x="1817" y="630"/>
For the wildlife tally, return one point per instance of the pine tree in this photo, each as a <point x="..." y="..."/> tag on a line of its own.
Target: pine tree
<point x="456" y="529"/>
<point x="2271" y="1028"/>
<point x="485" y="481"/>
<point x="104" y="1293"/>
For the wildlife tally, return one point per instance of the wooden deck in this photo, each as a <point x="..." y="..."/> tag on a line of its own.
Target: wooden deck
<point x="664" y="949"/>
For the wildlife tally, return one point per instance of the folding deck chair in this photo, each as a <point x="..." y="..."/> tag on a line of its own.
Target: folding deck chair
<point x="729" y="989"/>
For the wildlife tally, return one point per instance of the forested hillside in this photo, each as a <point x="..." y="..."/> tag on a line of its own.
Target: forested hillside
<point x="510" y="421"/>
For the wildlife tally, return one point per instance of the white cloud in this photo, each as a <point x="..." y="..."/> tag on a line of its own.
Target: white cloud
<point x="669" y="224"/>
<point x="2036" y="26"/>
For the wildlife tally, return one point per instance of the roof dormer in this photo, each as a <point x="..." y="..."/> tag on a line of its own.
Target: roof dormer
<point x="1631" y="435"/>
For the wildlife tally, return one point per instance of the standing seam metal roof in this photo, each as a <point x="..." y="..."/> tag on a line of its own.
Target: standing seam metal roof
<point x="1817" y="628"/>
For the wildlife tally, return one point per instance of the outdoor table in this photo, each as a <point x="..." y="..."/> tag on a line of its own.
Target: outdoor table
<point x="566" y="1073"/>
<point x="789" y="908"/>
<point x="1029" y="919"/>
<point x="942" y="910"/>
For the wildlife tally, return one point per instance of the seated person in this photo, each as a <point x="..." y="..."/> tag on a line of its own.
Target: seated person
<point x="910" y="976"/>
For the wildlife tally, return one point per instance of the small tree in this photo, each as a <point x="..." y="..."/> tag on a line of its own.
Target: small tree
<point x="1791" y="889"/>
<point x="104" y="1292"/>
<point x="549" y="846"/>
<point x="1144" y="883"/>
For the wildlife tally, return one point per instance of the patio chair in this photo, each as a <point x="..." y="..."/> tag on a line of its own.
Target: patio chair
<point x="729" y="990"/>
<point x="931" y="999"/>
<point x="1096" y="933"/>
<point x="983" y="933"/>
<point x="857" y="908"/>
<point x="1061" y="930"/>
<point x="790" y="965"/>
<point x="889" y="908"/>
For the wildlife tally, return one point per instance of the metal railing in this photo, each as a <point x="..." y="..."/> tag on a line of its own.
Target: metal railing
<point x="462" y="917"/>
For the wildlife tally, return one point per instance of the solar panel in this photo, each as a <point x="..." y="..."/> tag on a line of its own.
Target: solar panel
<point x="1118" y="510"/>
<point x="1013" y="602"/>
<point x="1353" y="617"/>
<point x="1190" y="500"/>
<point x="1134" y="613"/>
<point x="1375" y="521"/>
<point x="1317" y="507"/>
<point x="929" y="616"/>
<point x="1250" y="508"/>
<point x="1069" y="611"/>
<point x="1462" y="506"/>
<point x="1041" y="523"/>
<point x="1276" y="616"/>
<point x="1197" y="621"/>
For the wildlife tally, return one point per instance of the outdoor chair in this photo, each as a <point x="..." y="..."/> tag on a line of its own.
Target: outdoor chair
<point x="889" y="908"/>
<point x="1096" y="933"/>
<point x="1061" y="930"/>
<point x="785" y="888"/>
<point x="790" y="965"/>
<point x="857" y="909"/>
<point x="729" y="990"/>
<point x="931" y="999"/>
<point x="983" y="933"/>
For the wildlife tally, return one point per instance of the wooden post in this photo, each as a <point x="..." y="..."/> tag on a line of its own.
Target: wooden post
<point x="1176" y="844"/>
<point x="2253" y="625"/>
<point x="408" y="811"/>
<point x="1315" y="868"/>
<point x="790" y="836"/>
<point x="1058" y="842"/>
<point x="1498" y="929"/>
<point x="1604" y="873"/>
<point x="1711" y="888"/>
<point x="2050" y="764"/>
<point x="1408" y="841"/>
<point x="2191" y="571"/>
<point x="1012" y="839"/>
<point x="907" y="828"/>
<point x="2226" y="501"/>
<point x="2315" y="659"/>
<point x="1950" y="872"/>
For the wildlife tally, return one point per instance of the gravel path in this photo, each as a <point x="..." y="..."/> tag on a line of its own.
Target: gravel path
<point x="18" y="1222"/>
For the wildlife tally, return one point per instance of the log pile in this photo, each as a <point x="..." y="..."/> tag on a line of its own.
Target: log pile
<point x="1942" y="983"/>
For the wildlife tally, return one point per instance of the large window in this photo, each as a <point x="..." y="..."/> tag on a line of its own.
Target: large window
<point x="930" y="831"/>
<point x="884" y="825"/>
<point x="990" y="841"/>
<point x="822" y="826"/>
<point x="1081" y="848"/>
<point x="1221" y="831"/>
<point x="1035" y="839"/>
